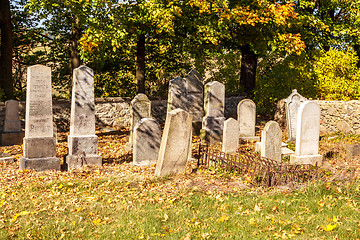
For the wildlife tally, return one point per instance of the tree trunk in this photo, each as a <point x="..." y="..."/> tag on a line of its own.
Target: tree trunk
<point x="140" y="64"/>
<point x="74" y="51"/>
<point x="248" y="69"/>
<point x="6" y="50"/>
<point x="357" y="50"/>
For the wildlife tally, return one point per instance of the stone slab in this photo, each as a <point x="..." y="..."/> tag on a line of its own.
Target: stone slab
<point x="212" y="130"/>
<point x="175" y="148"/>
<point x="308" y="129"/>
<point x="230" y="142"/>
<point x="82" y="117"/>
<point x="140" y="107"/>
<point x="40" y="164"/>
<point x="307" y="159"/>
<point x="352" y="151"/>
<point x="82" y="160"/>
<point x="195" y="95"/>
<point x="271" y="138"/>
<point x="12" y="138"/>
<point x="147" y="139"/>
<point x="246" y="111"/>
<point x="292" y="104"/>
<point x="41" y="147"/>
<point x="214" y="99"/>
<point x="6" y="158"/>
<point x="39" y="115"/>
<point x="287" y="151"/>
<point x="177" y="95"/>
<point x="12" y="122"/>
<point x="87" y="144"/>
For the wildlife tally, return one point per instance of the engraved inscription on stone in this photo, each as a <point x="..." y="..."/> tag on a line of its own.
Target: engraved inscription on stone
<point x="39" y="122"/>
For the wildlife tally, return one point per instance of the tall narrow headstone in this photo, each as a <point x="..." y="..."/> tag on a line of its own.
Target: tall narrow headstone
<point x="147" y="138"/>
<point x="39" y="142"/>
<point x="307" y="135"/>
<point x="292" y="104"/>
<point x="214" y="103"/>
<point x="195" y="95"/>
<point x="82" y="141"/>
<point x="177" y="95"/>
<point x="246" y="111"/>
<point x="271" y="141"/>
<point x="230" y="141"/>
<point x="12" y="134"/>
<point x="175" y="147"/>
<point x="140" y="107"/>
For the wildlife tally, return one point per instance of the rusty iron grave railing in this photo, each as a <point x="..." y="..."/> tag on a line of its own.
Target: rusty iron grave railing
<point x="262" y="171"/>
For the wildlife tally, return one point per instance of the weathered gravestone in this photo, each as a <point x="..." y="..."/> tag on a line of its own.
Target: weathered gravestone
<point x="12" y="134"/>
<point x="230" y="141"/>
<point x="271" y="143"/>
<point x="147" y="138"/>
<point x="82" y="141"/>
<point x="214" y="103"/>
<point x="292" y="104"/>
<point x="140" y="107"/>
<point x="39" y="142"/>
<point x="177" y="95"/>
<point x="195" y="95"/>
<point x="307" y="135"/>
<point x="175" y="148"/>
<point x="246" y="111"/>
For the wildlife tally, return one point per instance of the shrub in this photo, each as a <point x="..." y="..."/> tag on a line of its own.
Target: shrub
<point x="337" y="77"/>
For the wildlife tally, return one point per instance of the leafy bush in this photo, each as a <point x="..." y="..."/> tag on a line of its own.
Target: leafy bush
<point x="277" y="76"/>
<point x="337" y="77"/>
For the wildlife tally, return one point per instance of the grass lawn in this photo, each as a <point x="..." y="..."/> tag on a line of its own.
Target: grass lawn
<point x="122" y="201"/>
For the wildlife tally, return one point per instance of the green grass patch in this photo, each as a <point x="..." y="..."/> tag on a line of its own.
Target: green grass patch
<point x="119" y="209"/>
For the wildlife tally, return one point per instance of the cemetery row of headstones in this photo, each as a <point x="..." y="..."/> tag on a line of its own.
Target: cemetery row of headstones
<point x="39" y="143"/>
<point x="187" y="104"/>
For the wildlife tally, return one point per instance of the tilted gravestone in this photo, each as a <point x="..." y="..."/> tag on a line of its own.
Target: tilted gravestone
<point x="195" y="95"/>
<point x="140" y="107"/>
<point x="82" y="141"/>
<point x="147" y="138"/>
<point x="177" y="95"/>
<point x="175" y="147"/>
<point x="39" y="142"/>
<point x="214" y="103"/>
<point x="230" y="141"/>
<point x="246" y="111"/>
<point x="271" y="141"/>
<point x="12" y="134"/>
<point x="292" y="104"/>
<point x="307" y="135"/>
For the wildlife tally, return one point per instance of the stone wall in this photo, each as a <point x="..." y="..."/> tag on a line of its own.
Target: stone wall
<point x="336" y="116"/>
<point x="113" y="112"/>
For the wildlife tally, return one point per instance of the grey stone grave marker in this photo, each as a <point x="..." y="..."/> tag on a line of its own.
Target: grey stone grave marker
<point x="175" y="147"/>
<point x="195" y="95"/>
<point x="177" y="95"/>
<point x="12" y="134"/>
<point x="271" y="142"/>
<point x="307" y="135"/>
<point x="246" y="111"/>
<point x="230" y="141"/>
<point x="213" y="122"/>
<point x="82" y="141"/>
<point x="292" y="104"/>
<point x="147" y="138"/>
<point x="140" y="107"/>
<point x="39" y="142"/>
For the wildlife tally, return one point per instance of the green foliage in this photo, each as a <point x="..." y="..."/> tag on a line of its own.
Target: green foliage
<point x="114" y="84"/>
<point x="337" y="76"/>
<point x="277" y="76"/>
